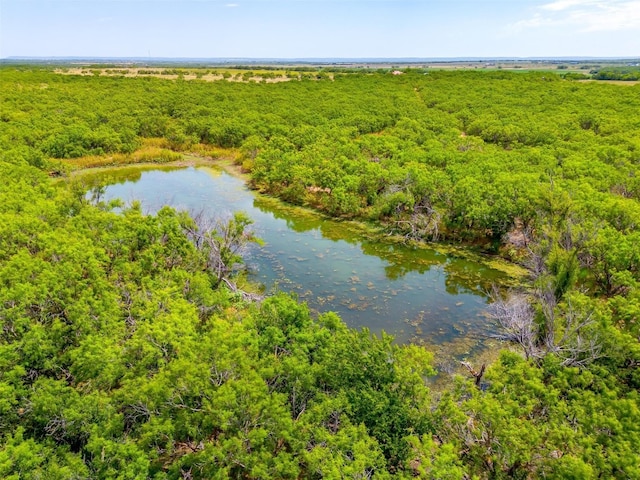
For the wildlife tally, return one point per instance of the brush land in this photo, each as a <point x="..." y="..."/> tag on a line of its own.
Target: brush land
<point x="131" y="347"/>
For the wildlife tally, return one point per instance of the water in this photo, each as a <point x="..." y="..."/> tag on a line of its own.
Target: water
<point x="414" y="294"/>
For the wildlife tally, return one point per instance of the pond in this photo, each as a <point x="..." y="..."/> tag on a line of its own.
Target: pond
<point x="415" y="294"/>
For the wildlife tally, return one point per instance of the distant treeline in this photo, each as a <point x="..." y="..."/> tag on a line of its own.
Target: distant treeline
<point x="618" y="73"/>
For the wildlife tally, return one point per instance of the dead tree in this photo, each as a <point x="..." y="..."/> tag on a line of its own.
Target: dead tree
<point x="472" y="371"/>
<point x="516" y="317"/>
<point x="223" y="243"/>
<point x="560" y="329"/>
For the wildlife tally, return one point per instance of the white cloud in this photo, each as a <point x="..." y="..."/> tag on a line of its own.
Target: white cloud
<point x="585" y="15"/>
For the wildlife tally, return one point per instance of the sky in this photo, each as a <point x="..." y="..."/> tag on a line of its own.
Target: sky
<point x="320" y="28"/>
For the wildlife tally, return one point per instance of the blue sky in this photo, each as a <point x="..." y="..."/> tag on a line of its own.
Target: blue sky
<point x="313" y="28"/>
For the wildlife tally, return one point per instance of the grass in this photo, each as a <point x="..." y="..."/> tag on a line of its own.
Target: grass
<point x="146" y="154"/>
<point x="156" y="151"/>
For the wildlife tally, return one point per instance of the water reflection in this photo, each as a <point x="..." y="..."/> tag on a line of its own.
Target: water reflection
<point x="410" y="292"/>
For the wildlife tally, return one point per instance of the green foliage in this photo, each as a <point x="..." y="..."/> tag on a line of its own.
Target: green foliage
<point x="617" y="73"/>
<point x="491" y="142"/>
<point x="122" y="357"/>
<point x="126" y="350"/>
<point x="543" y="422"/>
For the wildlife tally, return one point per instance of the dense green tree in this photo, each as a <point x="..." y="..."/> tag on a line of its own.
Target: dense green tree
<point x="127" y="349"/>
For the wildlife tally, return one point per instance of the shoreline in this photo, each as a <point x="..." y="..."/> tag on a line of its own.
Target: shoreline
<point x="451" y="353"/>
<point x="375" y="232"/>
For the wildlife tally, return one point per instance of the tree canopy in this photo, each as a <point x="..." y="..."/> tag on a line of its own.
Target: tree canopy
<point x="128" y="351"/>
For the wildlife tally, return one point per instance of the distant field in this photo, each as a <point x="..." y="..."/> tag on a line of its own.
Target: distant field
<point x="282" y="72"/>
<point x="208" y="75"/>
<point x="296" y="72"/>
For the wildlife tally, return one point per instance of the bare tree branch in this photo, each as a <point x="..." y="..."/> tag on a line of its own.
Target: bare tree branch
<point x="517" y="319"/>
<point x="223" y="241"/>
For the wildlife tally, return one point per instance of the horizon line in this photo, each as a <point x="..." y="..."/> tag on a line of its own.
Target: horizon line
<point x="321" y="59"/>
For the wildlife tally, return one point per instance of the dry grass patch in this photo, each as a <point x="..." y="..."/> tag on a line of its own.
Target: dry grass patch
<point x="156" y="151"/>
<point x="146" y="154"/>
<point x="213" y="152"/>
<point x="207" y="75"/>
